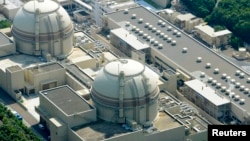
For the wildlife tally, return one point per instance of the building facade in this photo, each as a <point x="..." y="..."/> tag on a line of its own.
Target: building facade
<point x="101" y="7"/>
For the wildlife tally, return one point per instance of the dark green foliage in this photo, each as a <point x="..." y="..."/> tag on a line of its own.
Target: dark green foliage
<point x="236" y="42"/>
<point x="200" y="8"/>
<point x="235" y="15"/>
<point x="12" y="129"/>
<point x="219" y="28"/>
<point x="4" y="24"/>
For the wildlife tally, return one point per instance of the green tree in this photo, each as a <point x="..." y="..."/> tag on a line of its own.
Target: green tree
<point x="200" y="8"/>
<point x="13" y="129"/>
<point x="4" y="24"/>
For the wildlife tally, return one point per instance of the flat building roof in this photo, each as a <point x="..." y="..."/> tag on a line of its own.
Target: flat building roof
<point x="99" y="130"/>
<point x="45" y="68"/>
<point x="67" y="100"/>
<point x="185" y="61"/>
<point x="207" y="92"/>
<point x="129" y="38"/>
<point x="21" y="60"/>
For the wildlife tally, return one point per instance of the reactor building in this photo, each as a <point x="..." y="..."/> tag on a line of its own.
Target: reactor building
<point x="125" y="103"/>
<point x="122" y="92"/>
<point x="43" y="28"/>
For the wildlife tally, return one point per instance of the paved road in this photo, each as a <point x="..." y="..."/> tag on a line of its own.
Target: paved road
<point x="28" y="119"/>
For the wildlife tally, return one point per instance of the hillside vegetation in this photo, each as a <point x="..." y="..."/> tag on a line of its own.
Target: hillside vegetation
<point x="232" y="14"/>
<point x="12" y="129"/>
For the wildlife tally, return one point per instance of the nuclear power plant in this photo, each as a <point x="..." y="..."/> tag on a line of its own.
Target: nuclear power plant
<point x="133" y="76"/>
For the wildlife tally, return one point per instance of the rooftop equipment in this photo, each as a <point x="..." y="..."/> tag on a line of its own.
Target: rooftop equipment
<point x="158" y="32"/>
<point x="161" y="34"/>
<point x="242" y="87"/>
<point x="198" y="59"/>
<point x="137" y="30"/>
<point x="178" y="34"/>
<point x="248" y="80"/>
<point x="210" y="79"/>
<point x="242" y="75"/>
<point x="169" y="28"/>
<point x="237" y="97"/>
<point x="242" y="101"/>
<point x="227" y="92"/>
<point x="160" y="46"/>
<point x="126" y="11"/>
<point x="156" y="43"/>
<point x="202" y="74"/>
<point x="133" y="28"/>
<point x="133" y="16"/>
<point x="184" y="50"/>
<point x="159" y="22"/>
<point x="214" y="82"/>
<point x="208" y="65"/>
<point x="224" y="75"/>
<point x="223" y="88"/>
<point x="237" y="72"/>
<point x="169" y="39"/>
<point x="246" y="90"/>
<point x="163" y="24"/>
<point x="140" y="32"/>
<point x="152" y="41"/>
<point x="218" y="85"/>
<point x="228" y="78"/>
<point x="232" y="81"/>
<point x="140" y="20"/>
<point x="150" y="27"/>
<point x="165" y="37"/>
<point x="127" y="23"/>
<point x="237" y="84"/>
<point x="153" y="29"/>
<point x="173" y="42"/>
<point x="175" y="32"/>
<point x="216" y="71"/>
<point x="148" y="37"/>
<point x="232" y="94"/>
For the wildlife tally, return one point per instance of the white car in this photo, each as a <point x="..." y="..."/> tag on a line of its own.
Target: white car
<point x="18" y="116"/>
<point x="41" y="126"/>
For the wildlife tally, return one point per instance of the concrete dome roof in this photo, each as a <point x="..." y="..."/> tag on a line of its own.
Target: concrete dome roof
<point x="137" y="80"/>
<point x="125" y="89"/>
<point x="42" y="6"/>
<point x="43" y="27"/>
<point x="48" y="11"/>
<point x="129" y="67"/>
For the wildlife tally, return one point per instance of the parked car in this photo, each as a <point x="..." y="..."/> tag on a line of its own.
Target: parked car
<point x="18" y="116"/>
<point x="41" y="126"/>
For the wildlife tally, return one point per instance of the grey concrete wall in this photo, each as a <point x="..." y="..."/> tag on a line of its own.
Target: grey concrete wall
<point x="58" y="75"/>
<point x="82" y="118"/>
<point x="7" y="49"/>
<point x="72" y="136"/>
<point x="58" y="132"/>
<point x="112" y="24"/>
<point x="201" y="136"/>
<point x="73" y="83"/>
<point x="3" y="83"/>
<point x="175" y="134"/>
<point x="15" y="81"/>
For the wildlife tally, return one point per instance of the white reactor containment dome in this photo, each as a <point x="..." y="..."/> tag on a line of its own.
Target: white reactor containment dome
<point x="125" y="90"/>
<point x="43" y="27"/>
